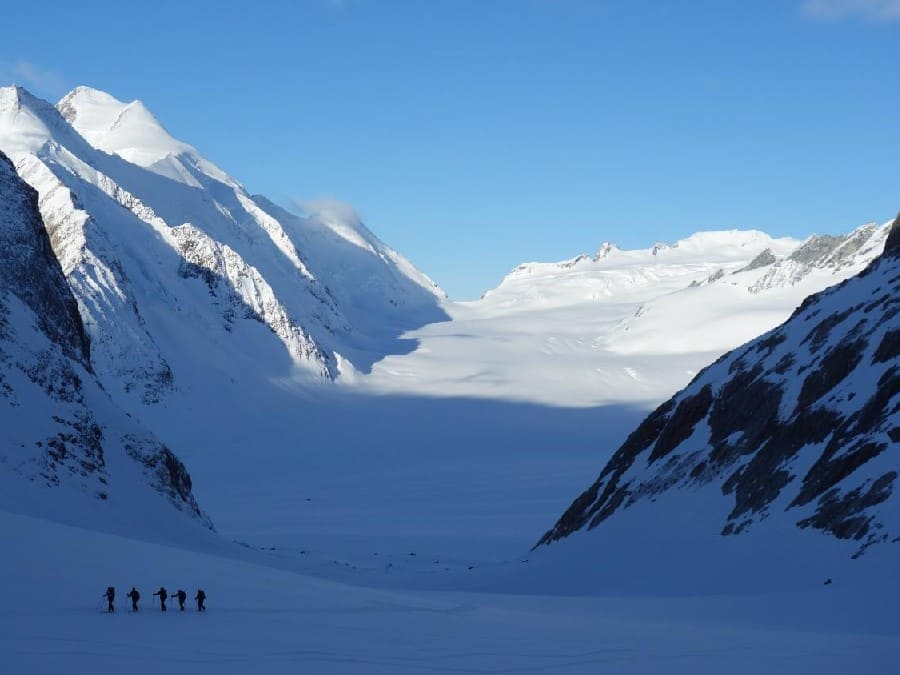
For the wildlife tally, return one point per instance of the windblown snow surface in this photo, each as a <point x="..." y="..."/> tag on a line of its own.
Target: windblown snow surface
<point x="382" y="522"/>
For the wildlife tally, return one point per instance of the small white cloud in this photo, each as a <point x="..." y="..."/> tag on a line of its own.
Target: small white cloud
<point x="40" y="80"/>
<point x="340" y="218"/>
<point x="881" y="11"/>
<point x="329" y="209"/>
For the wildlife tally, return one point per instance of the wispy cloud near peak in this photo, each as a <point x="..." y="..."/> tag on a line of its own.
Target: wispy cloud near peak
<point x="42" y="81"/>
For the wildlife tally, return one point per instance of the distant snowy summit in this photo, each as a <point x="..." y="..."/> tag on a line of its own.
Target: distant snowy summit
<point x="178" y="271"/>
<point x="797" y="429"/>
<point x="721" y="256"/>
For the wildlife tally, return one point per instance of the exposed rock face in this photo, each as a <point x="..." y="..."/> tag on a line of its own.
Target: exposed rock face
<point x="251" y="298"/>
<point x="801" y="423"/>
<point x="59" y="427"/>
<point x="164" y="472"/>
<point x="764" y="259"/>
<point x="819" y="252"/>
<point x="30" y="267"/>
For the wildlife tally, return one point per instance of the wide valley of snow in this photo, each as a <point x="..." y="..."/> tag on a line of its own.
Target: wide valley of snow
<point x="265" y="620"/>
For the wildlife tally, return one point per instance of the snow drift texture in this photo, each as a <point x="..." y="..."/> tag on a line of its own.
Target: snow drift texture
<point x="800" y="423"/>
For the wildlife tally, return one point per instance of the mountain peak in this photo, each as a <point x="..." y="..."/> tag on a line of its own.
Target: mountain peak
<point x="26" y="121"/>
<point x="606" y="248"/>
<point x="83" y="91"/>
<point x="126" y="129"/>
<point x="18" y="94"/>
<point x="132" y="132"/>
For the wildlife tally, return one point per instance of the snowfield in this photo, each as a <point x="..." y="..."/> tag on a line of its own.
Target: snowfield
<point x="265" y="620"/>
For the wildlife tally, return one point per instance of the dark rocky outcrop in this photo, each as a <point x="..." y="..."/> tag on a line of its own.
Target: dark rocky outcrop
<point x="30" y="270"/>
<point x="764" y="259"/>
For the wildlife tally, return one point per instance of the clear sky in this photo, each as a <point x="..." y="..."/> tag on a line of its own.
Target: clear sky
<point x="476" y="134"/>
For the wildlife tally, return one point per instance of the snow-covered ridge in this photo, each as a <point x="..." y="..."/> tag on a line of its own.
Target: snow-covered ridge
<point x="131" y="131"/>
<point x="787" y="262"/>
<point x="614" y="271"/>
<point x="702" y="247"/>
<point x="134" y="216"/>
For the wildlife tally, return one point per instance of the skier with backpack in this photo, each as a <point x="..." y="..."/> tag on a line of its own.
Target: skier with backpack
<point x="201" y="598"/>
<point x="182" y="596"/>
<point x="135" y="596"/>
<point x="163" y="594"/>
<point x="110" y="595"/>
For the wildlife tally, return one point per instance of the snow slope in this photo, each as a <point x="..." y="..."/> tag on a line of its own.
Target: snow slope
<point x="65" y="447"/>
<point x="622" y="326"/>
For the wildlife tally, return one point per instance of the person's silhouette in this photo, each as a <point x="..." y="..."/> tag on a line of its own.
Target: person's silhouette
<point x="163" y="594"/>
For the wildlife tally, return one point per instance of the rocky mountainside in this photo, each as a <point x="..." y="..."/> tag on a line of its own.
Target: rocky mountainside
<point x="60" y="430"/>
<point x="167" y="254"/>
<point x="798" y="426"/>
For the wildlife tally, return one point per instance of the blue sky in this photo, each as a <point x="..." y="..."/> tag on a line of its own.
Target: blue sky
<point x="476" y="134"/>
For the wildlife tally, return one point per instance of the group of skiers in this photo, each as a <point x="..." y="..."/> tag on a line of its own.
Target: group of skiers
<point x="163" y="594"/>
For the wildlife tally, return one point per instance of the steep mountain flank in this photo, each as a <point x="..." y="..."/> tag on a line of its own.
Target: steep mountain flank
<point x="799" y="424"/>
<point x="177" y="270"/>
<point x="59" y="427"/>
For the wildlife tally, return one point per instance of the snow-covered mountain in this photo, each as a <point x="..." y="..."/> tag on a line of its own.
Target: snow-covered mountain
<point x="60" y="429"/>
<point x="623" y="325"/>
<point x="178" y="271"/>
<point x="796" y="429"/>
